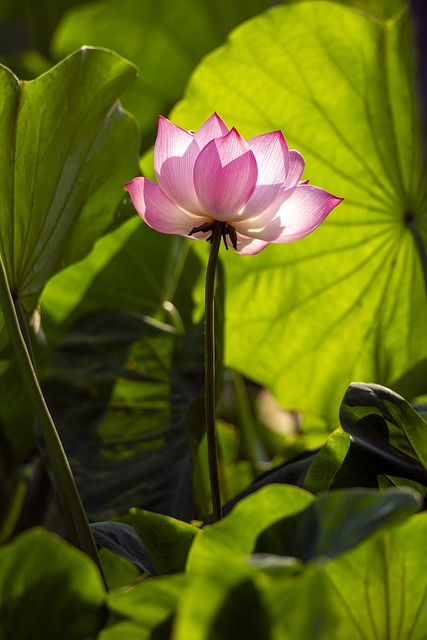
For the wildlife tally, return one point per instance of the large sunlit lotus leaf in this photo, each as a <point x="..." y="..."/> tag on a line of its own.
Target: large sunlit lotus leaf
<point x="165" y="39"/>
<point x="376" y="8"/>
<point x="48" y="589"/>
<point x="67" y="147"/>
<point x="347" y="302"/>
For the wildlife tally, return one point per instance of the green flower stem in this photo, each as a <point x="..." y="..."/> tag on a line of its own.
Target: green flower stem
<point x="210" y="402"/>
<point x="74" y="513"/>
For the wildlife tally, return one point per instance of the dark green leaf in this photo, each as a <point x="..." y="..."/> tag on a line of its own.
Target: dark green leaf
<point x="121" y="539"/>
<point x="292" y="473"/>
<point x="120" y="387"/>
<point x="387" y="429"/>
<point x="30" y="24"/>
<point x="15" y="444"/>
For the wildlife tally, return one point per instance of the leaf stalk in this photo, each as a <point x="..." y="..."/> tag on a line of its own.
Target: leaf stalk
<point x="75" y="516"/>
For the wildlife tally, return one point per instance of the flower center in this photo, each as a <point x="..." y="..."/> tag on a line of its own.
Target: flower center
<point x="215" y="226"/>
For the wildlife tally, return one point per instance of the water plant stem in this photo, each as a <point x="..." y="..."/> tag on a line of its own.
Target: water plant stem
<point x="75" y="516"/>
<point x="210" y="399"/>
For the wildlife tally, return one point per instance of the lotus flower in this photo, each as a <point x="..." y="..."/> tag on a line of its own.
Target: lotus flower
<point x="213" y="179"/>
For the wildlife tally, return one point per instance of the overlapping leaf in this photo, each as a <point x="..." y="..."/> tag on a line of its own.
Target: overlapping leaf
<point x="387" y="429"/>
<point x="348" y="302"/>
<point x="61" y="177"/>
<point x="352" y="535"/>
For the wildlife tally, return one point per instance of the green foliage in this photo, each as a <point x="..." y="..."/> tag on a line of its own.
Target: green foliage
<point x="166" y="539"/>
<point x="145" y="611"/>
<point x="399" y="427"/>
<point x="120" y="391"/>
<point x="273" y="595"/>
<point x="134" y="268"/>
<point x="48" y="589"/>
<point x="348" y="302"/>
<point x="328" y="462"/>
<point x="376" y="585"/>
<point x="289" y="523"/>
<point x="382" y="443"/>
<point x="147" y="34"/>
<point x="232" y="537"/>
<point x="61" y="178"/>
<point x="341" y="553"/>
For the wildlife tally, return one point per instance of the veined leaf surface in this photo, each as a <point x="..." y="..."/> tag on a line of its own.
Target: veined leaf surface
<point x="348" y="302"/>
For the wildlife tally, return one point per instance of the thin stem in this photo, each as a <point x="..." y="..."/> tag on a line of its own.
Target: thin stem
<point x="210" y="402"/>
<point x="74" y="513"/>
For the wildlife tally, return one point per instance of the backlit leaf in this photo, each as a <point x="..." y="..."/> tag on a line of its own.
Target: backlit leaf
<point x="61" y="177"/>
<point x="48" y="589"/>
<point x="349" y="301"/>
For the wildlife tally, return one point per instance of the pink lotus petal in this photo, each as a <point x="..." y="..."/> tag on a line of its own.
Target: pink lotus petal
<point x="272" y="156"/>
<point x="296" y="169"/>
<point x="255" y="225"/>
<point x="249" y="246"/>
<point x="158" y="211"/>
<point x="175" y="152"/>
<point x="225" y="175"/>
<point x="300" y="214"/>
<point x="214" y="127"/>
<point x="171" y="141"/>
